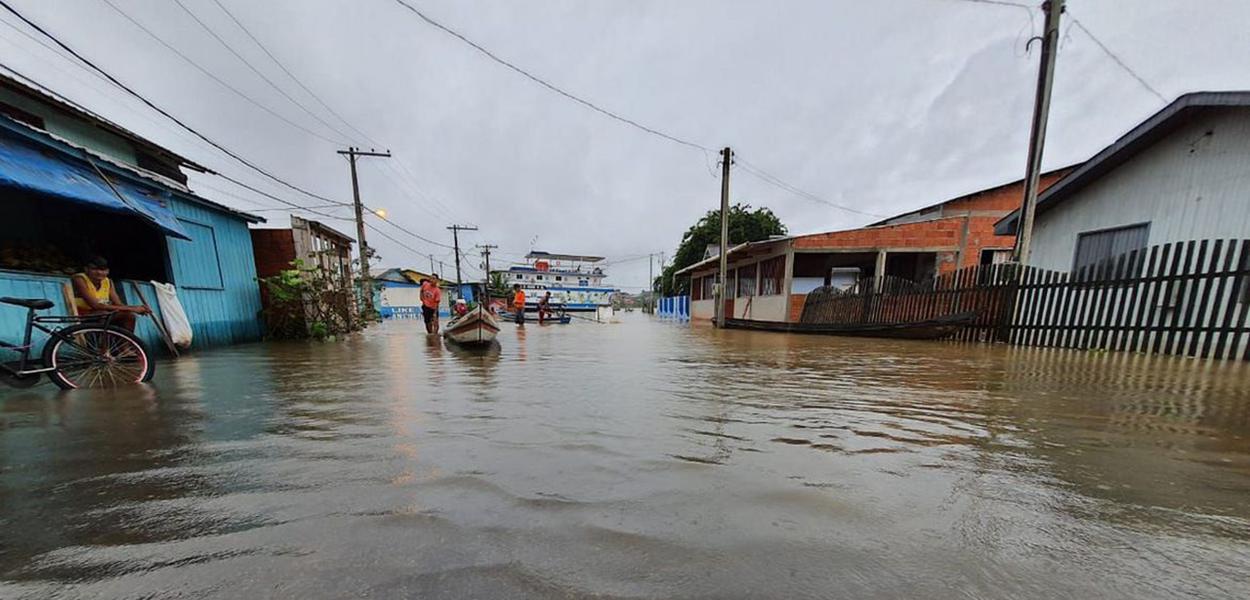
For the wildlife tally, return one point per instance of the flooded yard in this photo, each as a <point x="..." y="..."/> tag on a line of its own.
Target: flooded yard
<point x="637" y="459"/>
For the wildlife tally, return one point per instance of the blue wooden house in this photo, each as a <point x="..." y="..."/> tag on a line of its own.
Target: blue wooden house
<point x="74" y="185"/>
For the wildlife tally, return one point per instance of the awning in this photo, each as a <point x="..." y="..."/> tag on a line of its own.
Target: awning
<point x="26" y="166"/>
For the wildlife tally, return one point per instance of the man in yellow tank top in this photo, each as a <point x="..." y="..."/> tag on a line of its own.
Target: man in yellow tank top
<point x="95" y="294"/>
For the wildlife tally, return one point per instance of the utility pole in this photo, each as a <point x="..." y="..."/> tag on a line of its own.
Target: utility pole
<point x="455" y="236"/>
<point x="486" y="248"/>
<point x="366" y="282"/>
<point x="651" y="283"/>
<point x="661" y="274"/>
<point x="726" y="160"/>
<point x="1037" y="138"/>
<point x="432" y="271"/>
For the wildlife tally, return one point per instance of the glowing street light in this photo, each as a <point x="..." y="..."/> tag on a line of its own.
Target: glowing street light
<point x="381" y="212"/>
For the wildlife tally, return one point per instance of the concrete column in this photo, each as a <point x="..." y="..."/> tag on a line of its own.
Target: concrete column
<point x="879" y="272"/>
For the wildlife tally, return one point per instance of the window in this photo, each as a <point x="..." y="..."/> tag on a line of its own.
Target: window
<point x="538" y="277"/>
<point x="1100" y="248"/>
<point x="995" y="256"/>
<point x="702" y="288"/>
<point x="196" y="259"/>
<point x="772" y="275"/>
<point x="746" y="280"/>
<point x="559" y="278"/>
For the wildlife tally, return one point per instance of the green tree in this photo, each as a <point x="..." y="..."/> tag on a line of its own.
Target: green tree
<point x="745" y="225"/>
<point x="498" y="286"/>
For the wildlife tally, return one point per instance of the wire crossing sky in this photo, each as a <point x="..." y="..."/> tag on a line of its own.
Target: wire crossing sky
<point x="840" y="114"/>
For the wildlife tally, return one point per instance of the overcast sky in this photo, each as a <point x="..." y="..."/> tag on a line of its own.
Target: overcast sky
<point x="882" y="106"/>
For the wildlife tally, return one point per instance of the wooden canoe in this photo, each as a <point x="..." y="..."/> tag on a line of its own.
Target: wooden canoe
<point x="930" y="329"/>
<point x="477" y="327"/>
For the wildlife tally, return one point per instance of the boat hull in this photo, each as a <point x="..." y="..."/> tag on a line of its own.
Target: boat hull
<point x="477" y="327"/>
<point x="931" y="329"/>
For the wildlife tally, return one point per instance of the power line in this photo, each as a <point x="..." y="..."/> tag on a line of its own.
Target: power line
<point x="292" y="75"/>
<point x="546" y="84"/>
<point x="289" y="205"/>
<point x="1000" y="3"/>
<point x="399" y="243"/>
<point x="775" y="181"/>
<point x="405" y="230"/>
<point x="388" y="165"/>
<point x="258" y="73"/>
<point x="153" y="106"/>
<point x="210" y="75"/>
<point x="1119" y="61"/>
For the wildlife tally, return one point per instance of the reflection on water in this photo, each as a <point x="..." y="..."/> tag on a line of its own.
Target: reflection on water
<point x="633" y="459"/>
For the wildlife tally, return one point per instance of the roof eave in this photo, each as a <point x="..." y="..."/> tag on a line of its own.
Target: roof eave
<point x="1137" y="139"/>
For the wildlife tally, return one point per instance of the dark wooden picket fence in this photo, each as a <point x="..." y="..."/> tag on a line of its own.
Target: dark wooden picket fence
<point x="987" y="291"/>
<point x="1189" y="299"/>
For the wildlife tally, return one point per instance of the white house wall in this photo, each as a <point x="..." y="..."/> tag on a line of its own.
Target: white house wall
<point x="1191" y="185"/>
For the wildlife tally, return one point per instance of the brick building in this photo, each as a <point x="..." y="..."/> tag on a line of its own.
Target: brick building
<point x="769" y="279"/>
<point x="321" y="249"/>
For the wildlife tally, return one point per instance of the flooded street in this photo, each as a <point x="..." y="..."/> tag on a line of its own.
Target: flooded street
<point x="637" y="459"/>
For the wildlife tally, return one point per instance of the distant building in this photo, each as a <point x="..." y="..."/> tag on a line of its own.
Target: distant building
<point x="1183" y="174"/>
<point x="398" y="293"/>
<point x="575" y="281"/>
<point x="769" y="279"/>
<point x="74" y="185"/>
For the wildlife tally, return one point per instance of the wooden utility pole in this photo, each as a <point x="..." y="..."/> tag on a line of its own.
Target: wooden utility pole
<point x="366" y="281"/>
<point x="651" y="283"/>
<point x="486" y="248"/>
<point x="726" y="160"/>
<point x="1037" y="138"/>
<point x="455" y="237"/>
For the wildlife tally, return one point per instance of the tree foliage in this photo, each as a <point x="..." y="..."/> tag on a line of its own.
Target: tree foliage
<point x="308" y="301"/>
<point x="745" y="225"/>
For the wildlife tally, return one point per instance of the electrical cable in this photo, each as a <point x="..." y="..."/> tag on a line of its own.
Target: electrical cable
<point x="210" y="75"/>
<point x="5" y="4"/>
<point x="546" y="84"/>
<point x="249" y="65"/>
<point x="405" y="230"/>
<point x="1116" y="58"/>
<point x="773" y="180"/>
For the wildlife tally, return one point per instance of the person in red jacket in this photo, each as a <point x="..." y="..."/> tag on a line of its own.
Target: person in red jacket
<point x="431" y="297"/>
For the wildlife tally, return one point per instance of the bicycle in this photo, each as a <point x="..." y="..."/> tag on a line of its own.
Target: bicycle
<point x="87" y="352"/>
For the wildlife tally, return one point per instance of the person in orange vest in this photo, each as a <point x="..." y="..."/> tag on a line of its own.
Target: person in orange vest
<point x="518" y="303"/>
<point x="431" y="297"/>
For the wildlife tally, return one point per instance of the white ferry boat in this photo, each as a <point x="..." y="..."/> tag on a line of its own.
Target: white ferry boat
<point x="575" y="281"/>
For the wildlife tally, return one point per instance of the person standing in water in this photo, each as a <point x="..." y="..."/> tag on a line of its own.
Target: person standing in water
<point x="544" y="307"/>
<point x="518" y="303"/>
<point x="431" y="297"/>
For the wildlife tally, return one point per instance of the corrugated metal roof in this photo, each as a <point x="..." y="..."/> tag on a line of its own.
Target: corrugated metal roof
<point x="60" y="103"/>
<point x="735" y="250"/>
<point x="886" y="221"/>
<point x="117" y="167"/>
<point x="1127" y="146"/>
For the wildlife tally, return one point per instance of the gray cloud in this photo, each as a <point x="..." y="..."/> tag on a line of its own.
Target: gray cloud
<point x="884" y="106"/>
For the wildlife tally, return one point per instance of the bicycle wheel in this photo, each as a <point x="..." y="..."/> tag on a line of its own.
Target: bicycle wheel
<point x="92" y="356"/>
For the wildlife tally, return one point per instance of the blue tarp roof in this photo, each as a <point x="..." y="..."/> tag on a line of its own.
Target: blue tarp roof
<point x="26" y="166"/>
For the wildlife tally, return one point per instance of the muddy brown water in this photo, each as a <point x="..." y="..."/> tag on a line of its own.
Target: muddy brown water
<point x="639" y="459"/>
